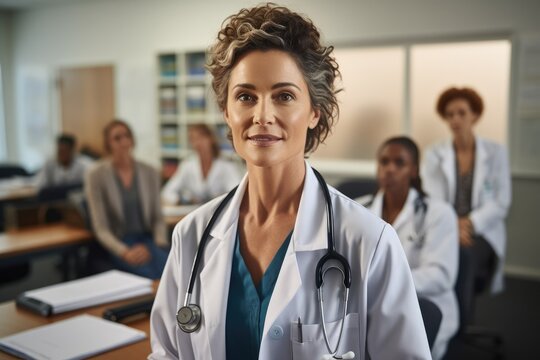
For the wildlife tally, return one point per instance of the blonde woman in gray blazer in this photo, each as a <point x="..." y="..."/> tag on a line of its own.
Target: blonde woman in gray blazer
<point x="125" y="209"/>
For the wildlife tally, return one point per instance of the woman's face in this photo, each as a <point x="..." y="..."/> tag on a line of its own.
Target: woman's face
<point x="268" y="108"/>
<point x="120" y="141"/>
<point x="460" y="117"/>
<point x="200" y="142"/>
<point x="396" y="168"/>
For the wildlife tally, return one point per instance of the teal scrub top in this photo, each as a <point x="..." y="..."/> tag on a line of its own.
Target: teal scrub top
<point x="247" y="304"/>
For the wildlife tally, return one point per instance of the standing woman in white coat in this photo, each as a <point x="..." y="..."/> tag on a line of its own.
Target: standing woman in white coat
<point x="473" y="175"/>
<point x="255" y="288"/>
<point x="203" y="176"/>
<point x="427" y="229"/>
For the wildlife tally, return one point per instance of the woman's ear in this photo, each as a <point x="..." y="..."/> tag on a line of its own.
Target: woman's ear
<point x="316" y="116"/>
<point x="226" y="115"/>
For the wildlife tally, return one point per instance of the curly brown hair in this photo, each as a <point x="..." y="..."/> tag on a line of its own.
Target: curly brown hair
<point x="471" y="96"/>
<point x="269" y="27"/>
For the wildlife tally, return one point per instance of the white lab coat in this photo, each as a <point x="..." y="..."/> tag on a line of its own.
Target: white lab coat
<point x="431" y="244"/>
<point x="383" y="321"/>
<point x="491" y="192"/>
<point x="189" y="185"/>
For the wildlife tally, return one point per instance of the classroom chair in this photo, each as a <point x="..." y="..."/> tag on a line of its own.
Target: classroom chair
<point x="355" y="188"/>
<point x="432" y="316"/>
<point x="483" y="339"/>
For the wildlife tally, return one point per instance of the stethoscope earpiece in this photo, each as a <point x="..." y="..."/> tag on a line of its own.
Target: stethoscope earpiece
<point x="189" y="318"/>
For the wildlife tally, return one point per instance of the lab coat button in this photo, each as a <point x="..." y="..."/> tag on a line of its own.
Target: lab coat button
<point x="276" y="332"/>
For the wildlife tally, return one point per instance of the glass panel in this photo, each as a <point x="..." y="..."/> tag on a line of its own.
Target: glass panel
<point x="371" y="104"/>
<point x="482" y="65"/>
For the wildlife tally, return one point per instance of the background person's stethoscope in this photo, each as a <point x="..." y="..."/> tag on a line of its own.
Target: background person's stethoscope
<point x="189" y="315"/>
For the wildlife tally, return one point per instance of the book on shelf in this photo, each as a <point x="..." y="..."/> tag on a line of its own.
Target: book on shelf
<point x="222" y="130"/>
<point x="167" y="66"/>
<point x="169" y="137"/>
<point x="168" y="100"/>
<point x="195" y="98"/>
<point x="196" y="64"/>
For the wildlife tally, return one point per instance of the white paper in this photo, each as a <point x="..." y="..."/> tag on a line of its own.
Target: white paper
<point x="75" y="338"/>
<point x="109" y="286"/>
<point x="178" y="210"/>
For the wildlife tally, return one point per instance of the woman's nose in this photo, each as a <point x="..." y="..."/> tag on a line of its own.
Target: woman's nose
<point x="264" y="113"/>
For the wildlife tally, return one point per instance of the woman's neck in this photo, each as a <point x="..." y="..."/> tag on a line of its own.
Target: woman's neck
<point x="464" y="142"/>
<point x="273" y="191"/>
<point x="393" y="203"/>
<point x="122" y="162"/>
<point x="206" y="159"/>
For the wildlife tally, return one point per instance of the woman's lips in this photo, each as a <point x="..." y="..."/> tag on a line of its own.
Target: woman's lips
<point x="264" y="139"/>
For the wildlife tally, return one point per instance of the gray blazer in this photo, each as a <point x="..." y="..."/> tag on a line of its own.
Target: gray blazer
<point x="105" y="204"/>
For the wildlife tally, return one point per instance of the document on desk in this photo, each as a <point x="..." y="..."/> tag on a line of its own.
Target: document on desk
<point x="178" y="210"/>
<point x="75" y="338"/>
<point x="106" y="287"/>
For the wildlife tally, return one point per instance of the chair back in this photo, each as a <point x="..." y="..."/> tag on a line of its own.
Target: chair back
<point x="11" y="170"/>
<point x="355" y="188"/>
<point x="464" y="287"/>
<point x="432" y="316"/>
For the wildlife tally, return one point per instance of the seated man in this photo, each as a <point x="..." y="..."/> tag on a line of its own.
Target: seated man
<point x="67" y="168"/>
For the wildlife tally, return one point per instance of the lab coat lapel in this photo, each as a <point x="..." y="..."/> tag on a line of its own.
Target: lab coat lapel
<point x="479" y="171"/>
<point x="377" y="204"/>
<point x="215" y="277"/>
<point x="309" y="234"/>
<point x="407" y="212"/>
<point x="448" y="164"/>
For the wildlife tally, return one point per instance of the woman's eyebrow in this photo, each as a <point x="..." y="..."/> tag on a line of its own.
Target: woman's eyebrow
<point x="275" y="86"/>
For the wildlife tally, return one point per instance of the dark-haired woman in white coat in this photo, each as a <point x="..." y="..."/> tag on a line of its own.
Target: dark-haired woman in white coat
<point x="427" y="229"/>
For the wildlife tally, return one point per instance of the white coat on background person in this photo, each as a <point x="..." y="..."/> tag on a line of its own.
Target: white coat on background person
<point x="491" y="191"/>
<point x="430" y="240"/>
<point x="383" y="319"/>
<point x="189" y="185"/>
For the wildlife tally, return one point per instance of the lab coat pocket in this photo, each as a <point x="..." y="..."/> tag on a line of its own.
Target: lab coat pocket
<point x="313" y="346"/>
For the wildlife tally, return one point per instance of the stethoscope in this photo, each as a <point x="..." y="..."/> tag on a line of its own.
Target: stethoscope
<point x="189" y="316"/>
<point x="420" y="211"/>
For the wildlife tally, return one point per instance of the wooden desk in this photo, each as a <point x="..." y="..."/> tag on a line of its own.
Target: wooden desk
<point x="29" y="241"/>
<point x="174" y="213"/>
<point x="22" y="245"/>
<point x="13" y="320"/>
<point x="19" y="193"/>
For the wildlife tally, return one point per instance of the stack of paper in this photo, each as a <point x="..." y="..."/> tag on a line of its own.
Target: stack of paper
<point x="109" y="286"/>
<point x="76" y="338"/>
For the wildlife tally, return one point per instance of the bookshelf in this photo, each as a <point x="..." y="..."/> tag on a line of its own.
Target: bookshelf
<point x="185" y="97"/>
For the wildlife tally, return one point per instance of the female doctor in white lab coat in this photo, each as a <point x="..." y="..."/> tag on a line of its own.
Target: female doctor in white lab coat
<point x="473" y="175"/>
<point x="427" y="229"/>
<point x="204" y="175"/>
<point x="255" y="284"/>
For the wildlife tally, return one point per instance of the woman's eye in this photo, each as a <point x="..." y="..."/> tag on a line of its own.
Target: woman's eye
<point x="285" y="97"/>
<point x="244" y="97"/>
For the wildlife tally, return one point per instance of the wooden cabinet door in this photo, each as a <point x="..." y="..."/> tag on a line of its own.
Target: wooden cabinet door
<point x="87" y="103"/>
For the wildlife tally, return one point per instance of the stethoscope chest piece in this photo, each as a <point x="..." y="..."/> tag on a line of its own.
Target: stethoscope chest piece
<point x="189" y="318"/>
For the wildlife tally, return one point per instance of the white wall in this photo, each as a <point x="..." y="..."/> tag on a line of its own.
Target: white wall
<point x="130" y="33"/>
